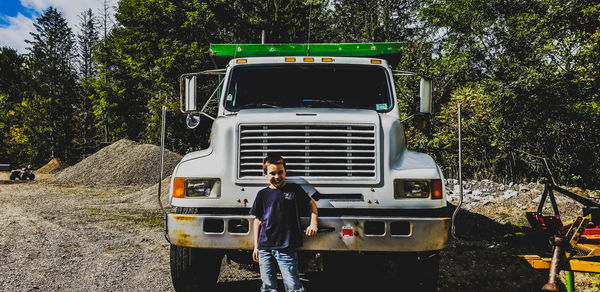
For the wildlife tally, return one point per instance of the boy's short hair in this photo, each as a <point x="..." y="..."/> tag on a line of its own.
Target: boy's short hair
<point x="273" y="158"/>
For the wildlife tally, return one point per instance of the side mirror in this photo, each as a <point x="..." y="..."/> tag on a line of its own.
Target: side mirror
<point x="192" y="121"/>
<point x="189" y="98"/>
<point x="426" y="95"/>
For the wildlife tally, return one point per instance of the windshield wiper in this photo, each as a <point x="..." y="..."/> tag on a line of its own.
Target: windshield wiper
<point x="336" y="103"/>
<point x="258" y="105"/>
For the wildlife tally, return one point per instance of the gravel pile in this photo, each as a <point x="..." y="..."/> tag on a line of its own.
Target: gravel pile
<point x="507" y="203"/>
<point x="122" y="163"/>
<point x="147" y="198"/>
<point x="55" y="165"/>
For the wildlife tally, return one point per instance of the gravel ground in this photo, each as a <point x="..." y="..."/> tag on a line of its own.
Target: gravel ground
<point x="109" y="238"/>
<point x="66" y="238"/>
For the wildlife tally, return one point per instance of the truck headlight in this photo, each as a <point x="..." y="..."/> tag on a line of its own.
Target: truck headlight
<point x="418" y="189"/>
<point x="196" y="187"/>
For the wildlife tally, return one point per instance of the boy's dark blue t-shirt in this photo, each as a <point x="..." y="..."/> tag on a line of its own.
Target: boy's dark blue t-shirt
<point x="279" y="211"/>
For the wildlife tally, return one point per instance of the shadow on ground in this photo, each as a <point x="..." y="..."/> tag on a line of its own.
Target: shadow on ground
<point x="484" y="256"/>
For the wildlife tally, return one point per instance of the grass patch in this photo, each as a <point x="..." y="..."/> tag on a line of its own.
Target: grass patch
<point x="94" y="211"/>
<point x="145" y="218"/>
<point x="99" y="194"/>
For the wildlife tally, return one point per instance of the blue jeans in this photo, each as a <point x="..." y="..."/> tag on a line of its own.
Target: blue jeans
<point x="287" y="260"/>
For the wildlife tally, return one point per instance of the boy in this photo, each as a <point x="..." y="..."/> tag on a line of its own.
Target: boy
<point x="277" y="231"/>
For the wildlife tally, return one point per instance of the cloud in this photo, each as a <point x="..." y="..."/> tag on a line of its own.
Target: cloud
<point x="14" y="34"/>
<point x="69" y="8"/>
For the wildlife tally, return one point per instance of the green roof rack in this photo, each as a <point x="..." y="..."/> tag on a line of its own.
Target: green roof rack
<point x="224" y="52"/>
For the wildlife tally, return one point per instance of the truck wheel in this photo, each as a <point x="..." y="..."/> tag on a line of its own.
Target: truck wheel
<point x="13" y="175"/>
<point x="194" y="269"/>
<point x="31" y="176"/>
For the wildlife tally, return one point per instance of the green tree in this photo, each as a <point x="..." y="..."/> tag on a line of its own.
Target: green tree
<point x="534" y="52"/>
<point x="12" y="85"/>
<point x="87" y="136"/>
<point x="50" y="105"/>
<point x="375" y="20"/>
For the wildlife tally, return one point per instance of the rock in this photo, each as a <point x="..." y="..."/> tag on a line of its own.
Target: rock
<point x="476" y="193"/>
<point x="523" y="189"/>
<point x="487" y="199"/>
<point x="509" y="194"/>
<point x="456" y="189"/>
<point x="537" y="199"/>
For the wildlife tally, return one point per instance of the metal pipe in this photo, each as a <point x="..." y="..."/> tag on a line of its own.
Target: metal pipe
<point x="460" y="199"/>
<point x="554" y="265"/>
<point x="160" y="175"/>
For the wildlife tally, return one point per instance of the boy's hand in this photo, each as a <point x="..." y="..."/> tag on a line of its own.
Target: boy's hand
<point x="311" y="230"/>
<point x="255" y="255"/>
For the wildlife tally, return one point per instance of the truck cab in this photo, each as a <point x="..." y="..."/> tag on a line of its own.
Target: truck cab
<point x="335" y="120"/>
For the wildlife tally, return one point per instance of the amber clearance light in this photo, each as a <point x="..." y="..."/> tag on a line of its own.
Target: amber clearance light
<point x="436" y="189"/>
<point x="178" y="187"/>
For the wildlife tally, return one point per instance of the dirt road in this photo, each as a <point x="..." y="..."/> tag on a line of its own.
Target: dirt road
<point x="67" y="238"/>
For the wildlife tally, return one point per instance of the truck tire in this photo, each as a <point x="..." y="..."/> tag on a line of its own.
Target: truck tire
<point x="13" y="175"/>
<point x="194" y="269"/>
<point x="31" y="176"/>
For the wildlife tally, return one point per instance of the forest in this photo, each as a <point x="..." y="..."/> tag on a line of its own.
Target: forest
<point x="525" y="72"/>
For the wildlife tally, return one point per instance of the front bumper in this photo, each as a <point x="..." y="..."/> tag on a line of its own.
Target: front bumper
<point x="369" y="233"/>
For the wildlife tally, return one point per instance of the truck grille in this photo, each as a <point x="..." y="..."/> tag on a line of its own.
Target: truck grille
<point x="312" y="151"/>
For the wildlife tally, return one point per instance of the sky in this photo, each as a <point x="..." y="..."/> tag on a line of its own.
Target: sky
<point x="17" y="17"/>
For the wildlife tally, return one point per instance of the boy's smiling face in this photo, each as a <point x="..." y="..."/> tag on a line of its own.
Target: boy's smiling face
<point x="276" y="175"/>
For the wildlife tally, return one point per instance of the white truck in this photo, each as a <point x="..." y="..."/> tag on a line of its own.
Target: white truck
<point x="331" y="111"/>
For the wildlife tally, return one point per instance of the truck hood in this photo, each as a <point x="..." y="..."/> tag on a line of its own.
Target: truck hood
<point x="308" y="115"/>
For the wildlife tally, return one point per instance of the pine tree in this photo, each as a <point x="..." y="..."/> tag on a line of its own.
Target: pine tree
<point x="87" y="41"/>
<point x="87" y="38"/>
<point x="51" y="57"/>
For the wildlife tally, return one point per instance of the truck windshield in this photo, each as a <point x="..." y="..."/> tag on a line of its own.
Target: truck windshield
<point x="301" y="85"/>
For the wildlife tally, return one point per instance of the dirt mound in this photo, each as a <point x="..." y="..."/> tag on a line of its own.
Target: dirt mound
<point x="55" y="165"/>
<point x="122" y="163"/>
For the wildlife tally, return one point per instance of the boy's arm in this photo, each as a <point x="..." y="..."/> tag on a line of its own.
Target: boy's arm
<point x="314" y="213"/>
<point x="256" y="232"/>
